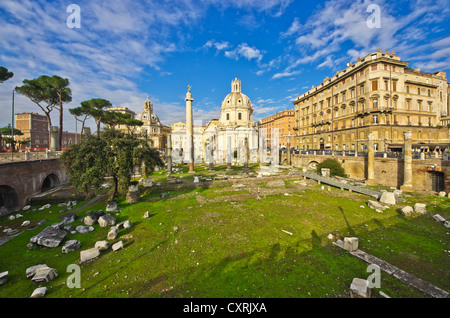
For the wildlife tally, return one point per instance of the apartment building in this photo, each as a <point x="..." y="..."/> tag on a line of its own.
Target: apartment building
<point x="284" y="122"/>
<point x="380" y="95"/>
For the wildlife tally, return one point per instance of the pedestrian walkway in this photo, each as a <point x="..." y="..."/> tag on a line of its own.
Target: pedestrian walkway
<point x="341" y="185"/>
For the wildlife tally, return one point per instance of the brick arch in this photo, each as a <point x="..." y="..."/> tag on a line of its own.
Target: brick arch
<point x="9" y="199"/>
<point x="50" y="181"/>
<point x="27" y="178"/>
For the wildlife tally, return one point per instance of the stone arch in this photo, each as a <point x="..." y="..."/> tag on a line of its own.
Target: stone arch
<point x="51" y="181"/>
<point x="312" y="164"/>
<point x="9" y="200"/>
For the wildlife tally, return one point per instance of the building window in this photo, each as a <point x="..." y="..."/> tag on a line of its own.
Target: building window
<point x="374" y="85"/>
<point x="228" y="116"/>
<point x="375" y="119"/>
<point x="239" y="116"/>
<point x="375" y="103"/>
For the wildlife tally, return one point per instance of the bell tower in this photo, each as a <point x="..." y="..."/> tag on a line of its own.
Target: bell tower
<point x="236" y="86"/>
<point x="148" y="106"/>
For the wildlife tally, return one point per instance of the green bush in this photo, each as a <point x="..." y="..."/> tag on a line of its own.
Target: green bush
<point x="335" y="167"/>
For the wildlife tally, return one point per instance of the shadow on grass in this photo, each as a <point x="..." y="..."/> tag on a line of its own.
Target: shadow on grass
<point x="349" y="227"/>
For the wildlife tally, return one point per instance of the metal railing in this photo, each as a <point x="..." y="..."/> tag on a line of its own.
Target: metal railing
<point x="28" y="156"/>
<point x="388" y="154"/>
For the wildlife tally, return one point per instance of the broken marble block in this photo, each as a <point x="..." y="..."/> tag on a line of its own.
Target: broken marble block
<point x="388" y="198"/>
<point x="117" y="246"/>
<point x="112" y="233"/>
<point x="70" y="246"/>
<point x="420" y="208"/>
<point x="39" y="292"/>
<point x="31" y="271"/>
<point x="3" y="278"/>
<point x="438" y="218"/>
<point x="44" y="275"/>
<point x="407" y="210"/>
<point x="49" y="237"/>
<point x="106" y="220"/>
<point x="89" y="254"/>
<point x="360" y="288"/>
<point x="112" y="207"/>
<point x="83" y="229"/>
<point x="102" y="245"/>
<point x="351" y="244"/>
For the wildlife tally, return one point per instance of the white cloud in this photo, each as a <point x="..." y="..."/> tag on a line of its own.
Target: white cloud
<point x="338" y="30"/>
<point x="273" y="7"/>
<point x="219" y="46"/>
<point x="249" y="52"/>
<point x="242" y="50"/>
<point x="285" y="74"/>
<point x="293" y="29"/>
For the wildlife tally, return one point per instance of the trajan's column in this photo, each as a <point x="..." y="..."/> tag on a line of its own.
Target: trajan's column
<point x="190" y="129"/>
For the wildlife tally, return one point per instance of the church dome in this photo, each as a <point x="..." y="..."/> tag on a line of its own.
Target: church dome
<point x="236" y="110"/>
<point x="236" y="99"/>
<point x="147" y="115"/>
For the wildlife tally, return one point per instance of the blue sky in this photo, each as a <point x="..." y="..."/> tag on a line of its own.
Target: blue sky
<point x="125" y="51"/>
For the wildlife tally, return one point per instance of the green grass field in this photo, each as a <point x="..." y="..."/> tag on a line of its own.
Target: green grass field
<point x="222" y="248"/>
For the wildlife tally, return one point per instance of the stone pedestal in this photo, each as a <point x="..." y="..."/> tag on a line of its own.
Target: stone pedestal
<point x="325" y="172"/>
<point x="133" y="196"/>
<point x="351" y="244"/>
